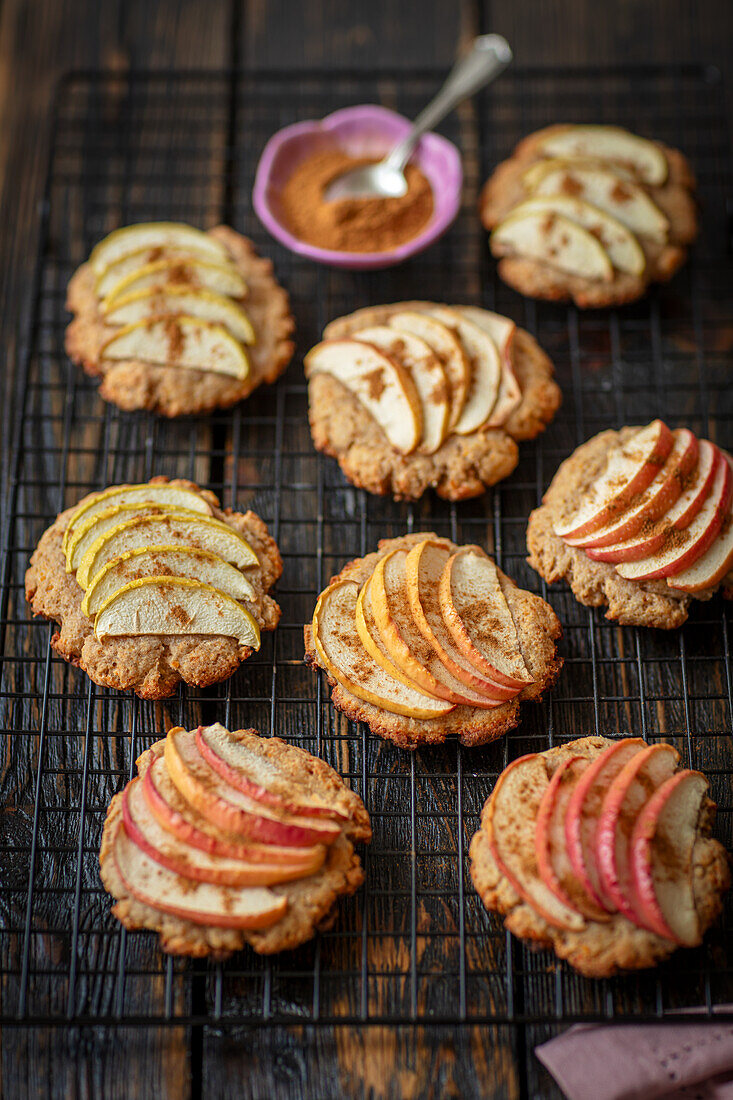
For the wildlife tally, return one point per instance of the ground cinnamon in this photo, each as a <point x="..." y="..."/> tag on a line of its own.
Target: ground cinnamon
<point x="352" y="225"/>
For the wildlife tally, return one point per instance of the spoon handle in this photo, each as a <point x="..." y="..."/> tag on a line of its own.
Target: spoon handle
<point x="489" y="55"/>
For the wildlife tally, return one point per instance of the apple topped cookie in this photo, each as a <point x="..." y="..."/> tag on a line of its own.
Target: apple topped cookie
<point x="601" y="850"/>
<point x="591" y="214"/>
<point x="418" y="395"/>
<point x="640" y="519"/>
<point x="176" y="320"/>
<point x="424" y="639"/>
<point x="153" y="584"/>
<point x="225" y="839"/>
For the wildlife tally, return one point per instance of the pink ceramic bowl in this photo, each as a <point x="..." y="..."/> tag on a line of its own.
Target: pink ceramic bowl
<point x="360" y="131"/>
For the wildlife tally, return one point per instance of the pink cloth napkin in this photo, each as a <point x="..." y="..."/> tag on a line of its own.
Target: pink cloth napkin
<point x="645" y="1062"/>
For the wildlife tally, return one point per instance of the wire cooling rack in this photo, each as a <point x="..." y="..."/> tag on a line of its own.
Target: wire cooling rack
<point x="414" y="945"/>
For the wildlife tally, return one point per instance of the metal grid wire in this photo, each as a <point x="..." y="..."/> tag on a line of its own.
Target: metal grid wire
<point x="415" y="944"/>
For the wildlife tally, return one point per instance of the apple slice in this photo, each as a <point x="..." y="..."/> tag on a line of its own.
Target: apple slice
<point x="662" y="851"/>
<point x="182" y="342"/>
<point x="613" y="143"/>
<point x="712" y="566"/>
<point x="172" y="496"/>
<point x="155" y="301"/>
<point x="426" y="371"/>
<point x="541" y="168"/>
<point x="486" y="371"/>
<point x="179" y="818"/>
<point x="624" y="800"/>
<point x="509" y="824"/>
<point x="620" y="244"/>
<point x="502" y="331"/>
<point x="583" y="812"/>
<point x="138" y="272"/>
<point x="682" y="548"/>
<point x="423" y="568"/>
<point x="341" y="653"/>
<point x="174" y="606"/>
<point x="384" y="387"/>
<point x="629" y="470"/>
<point x="104" y="520"/>
<point x="403" y="641"/>
<point x="165" y="529"/>
<point x="623" y="200"/>
<point x="155" y="235"/>
<point x="144" y="830"/>
<point x="657" y="498"/>
<point x="446" y="345"/>
<point x="477" y="615"/>
<point x="162" y="561"/>
<point x="553" y="862"/>
<point x="252" y="772"/>
<point x="198" y="902"/>
<point x="370" y="638"/>
<point x="232" y="810"/>
<point x="553" y="239"/>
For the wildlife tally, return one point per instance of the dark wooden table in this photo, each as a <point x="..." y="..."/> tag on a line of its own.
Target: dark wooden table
<point x="38" y="42"/>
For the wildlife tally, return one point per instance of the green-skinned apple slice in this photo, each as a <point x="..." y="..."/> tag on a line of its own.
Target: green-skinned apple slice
<point x="555" y="240"/>
<point x="144" y="235"/>
<point x="622" y="199"/>
<point x="205" y="305"/>
<point x="138" y="272"/>
<point x="183" y="342"/>
<point x="645" y="158"/>
<point x="98" y="522"/>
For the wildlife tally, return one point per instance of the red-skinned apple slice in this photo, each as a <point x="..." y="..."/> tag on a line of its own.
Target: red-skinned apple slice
<point x="144" y="829"/>
<point x="662" y="849"/>
<point x="712" y="566"/>
<point x="553" y="862"/>
<point x="231" y="810"/>
<point x="198" y="902"/>
<point x="509" y="826"/>
<point x="625" y="798"/>
<point x="629" y="470"/>
<point x="583" y="812"/>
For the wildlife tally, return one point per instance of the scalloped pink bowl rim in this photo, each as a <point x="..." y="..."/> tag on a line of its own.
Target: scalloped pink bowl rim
<point x="366" y="129"/>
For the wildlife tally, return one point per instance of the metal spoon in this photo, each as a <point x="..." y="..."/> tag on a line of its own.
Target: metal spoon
<point x="489" y="55"/>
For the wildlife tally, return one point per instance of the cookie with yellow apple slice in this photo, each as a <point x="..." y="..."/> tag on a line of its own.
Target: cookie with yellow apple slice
<point x="152" y="584"/>
<point x="591" y="214"/>
<point x="176" y="320"/>
<point x="425" y="640"/>
<point x="418" y="395"/>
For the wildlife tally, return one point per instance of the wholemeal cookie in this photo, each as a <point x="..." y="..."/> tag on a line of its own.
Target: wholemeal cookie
<point x="178" y="321"/>
<point x="152" y="584"/>
<point x="640" y="519"/>
<point x="424" y="640"/>
<point x="226" y="839"/>
<point x="592" y="214"/>
<point x="417" y="395"/>
<point x="601" y="850"/>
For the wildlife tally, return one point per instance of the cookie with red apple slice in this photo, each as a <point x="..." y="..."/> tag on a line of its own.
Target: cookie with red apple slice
<point x="590" y="214"/>
<point x="639" y="519"/>
<point x="601" y="850"/>
<point x="226" y="839"/>
<point x="418" y="395"/>
<point x="424" y="640"/>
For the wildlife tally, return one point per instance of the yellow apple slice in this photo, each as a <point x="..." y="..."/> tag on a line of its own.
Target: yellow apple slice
<point x="100" y="521"/>
<point x="485" y="361"/>
<point x="446" y="345"/>
<point x="609" y="143"/>
<point x="622" y="199"/>
<point x="371" y="640"/>
<point x="137" y="271"/>
<point x="134" y="238"/>
<point x="554" y="240"/>
<point x="179" y="342"/>
<point x="174" y="606"/>
<point x="160" y="561"/>
<point x="426" y="371"/>
<point x="172" y="496"/>
<point x="165" y="529"/>
<point x="343" y="656"/>
<point x="502" y="331"/>
<point x="141" y="305"/>
<point x="542" y="168"/>
<point x="382" y="386"/>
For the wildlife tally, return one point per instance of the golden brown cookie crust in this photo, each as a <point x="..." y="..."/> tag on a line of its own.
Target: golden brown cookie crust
<point x="536" y="279"/>
<point x="464" y="466"/>
<point x="151" y="666"/>
<point x="538" y="629"/>
<point x="596" y="583"/>
<point x="172" y="391"/>
<point x="601" y="949"/>
<point x="311" y="901"/>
